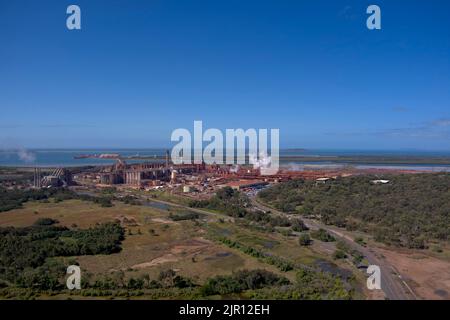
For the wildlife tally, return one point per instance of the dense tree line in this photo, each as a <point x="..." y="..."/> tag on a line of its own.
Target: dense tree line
<point x="257" y="283"/>
<point x="167" y="279"/>
<point x="226" y="200"/>
<point x="280" y="263"/>
<point x="14" y="198"/>
<point x="237" y="204"/>
<point x="30" y="265"/>
<point x="25" y="253"/>
<point x="241" y="281"/>
<point x="310" y="285"/>
<point x="408" y="211"/>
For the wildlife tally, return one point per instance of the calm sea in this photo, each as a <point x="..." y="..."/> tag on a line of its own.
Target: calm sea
<point x="65" y="157"/>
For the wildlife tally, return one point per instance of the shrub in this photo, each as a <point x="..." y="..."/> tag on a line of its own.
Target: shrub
<point x="241" y="281"/>
<point x="304" y="239"/>
<point x="322" y="235"/>
<point x="45" y="222"/>
<point x="339" y="254"/>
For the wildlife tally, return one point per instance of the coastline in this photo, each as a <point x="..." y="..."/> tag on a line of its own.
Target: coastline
<point x="293" y="159"/>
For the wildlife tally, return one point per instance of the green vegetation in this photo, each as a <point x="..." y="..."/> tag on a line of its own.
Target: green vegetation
<point x="165" y="195"/>
<point x="309" y="285"/>
<point x="304" y="239"/>
<point x="167" y="279"/>
<point x="236" y="204"/>
<point x="298" y="225"/>
<point x="25" y="253"/>
<point x="15" y="176"/>
<point x="280" y="263"/>
<point x="360" y="241"/>
<point x="14" y="199"/>
<point x="408" y="211"/>
<point x="32" y="264"/>
<point x="322" y="235"/>
<point x="339" y="254"/>
<point x="226" y="200"/>
<point x="45" y="222"/>
<point x="253" y="284"/>
<point x="242" y="281"/>
<point x="179" y="216"/>
<point x="130" y="200"/>
<point x="357" y="257"/>
<point x="56" y="246"/>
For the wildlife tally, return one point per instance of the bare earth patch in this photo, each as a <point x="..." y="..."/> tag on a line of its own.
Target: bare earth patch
<point x="428" y="277"/>
<point x="162" y="220"/>
<point x="185" y="249"/>
<point x="160" y="260"/>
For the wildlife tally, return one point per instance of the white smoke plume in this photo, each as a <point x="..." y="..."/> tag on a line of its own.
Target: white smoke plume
<point x="10" y="147"/>
<point x="295" y="167"/>
<point x="263" y="161"/>
<point x="25" y="155"/>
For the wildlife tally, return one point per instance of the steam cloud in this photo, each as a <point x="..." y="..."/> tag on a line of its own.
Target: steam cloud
<point x="10" y="147"/>
<point x="295" y="167"/>
<point x="26" y="156"/>
<point x="264" y="161"/>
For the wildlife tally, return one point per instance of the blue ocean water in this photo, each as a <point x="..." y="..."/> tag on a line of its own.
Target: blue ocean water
<point x="65" y="157"/>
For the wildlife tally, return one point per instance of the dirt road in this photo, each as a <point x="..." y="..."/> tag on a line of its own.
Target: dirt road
<point x="392" y="284"/>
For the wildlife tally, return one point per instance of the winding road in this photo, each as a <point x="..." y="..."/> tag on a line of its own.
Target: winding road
<point x="392" y="284"/>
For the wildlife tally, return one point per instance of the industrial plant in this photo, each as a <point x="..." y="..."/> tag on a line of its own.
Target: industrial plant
<point x="192" y="180"/>
<point x="198" y="181"/>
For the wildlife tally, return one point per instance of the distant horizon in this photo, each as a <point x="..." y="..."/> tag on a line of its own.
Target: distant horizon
<point x="137" y="71"/>
<point x="73" y="157"/>
<point x="281" y="148"/>
<point x="334" y="149"/>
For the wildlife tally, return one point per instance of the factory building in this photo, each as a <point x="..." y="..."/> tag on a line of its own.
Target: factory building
<point x="144" y="174"/>
<point x="57" y="178"/>
<point x="111" y="178"/>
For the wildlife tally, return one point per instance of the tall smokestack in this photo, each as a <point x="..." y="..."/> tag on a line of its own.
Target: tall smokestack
<point x="167" y="159"/>
<point x="39" y="178"/>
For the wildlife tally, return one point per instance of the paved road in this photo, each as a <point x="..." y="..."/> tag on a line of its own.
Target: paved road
<point x="392" y="285"/>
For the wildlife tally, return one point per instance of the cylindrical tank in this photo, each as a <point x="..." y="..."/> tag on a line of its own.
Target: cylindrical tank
<point x="173" y="175"/>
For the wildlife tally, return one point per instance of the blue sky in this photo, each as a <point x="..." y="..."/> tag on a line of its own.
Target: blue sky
<point x="139" y="69"/>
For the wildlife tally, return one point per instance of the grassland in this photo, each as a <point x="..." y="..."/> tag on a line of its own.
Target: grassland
<point x="170" y="244"/>
<point x="153" y="242"/>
